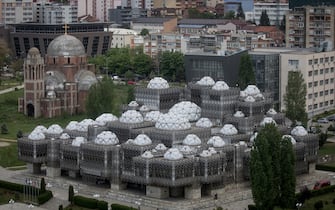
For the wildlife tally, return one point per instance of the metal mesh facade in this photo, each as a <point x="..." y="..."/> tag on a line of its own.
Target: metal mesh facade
<point x="245" y="125"/>
<point x="157" y="99"/>
<point x="124" y="130"/>
<point x="312" y="146"/>
<point x="70" y="157"/>
<point x="301" y="165"/>
<point x="32" y="151"/>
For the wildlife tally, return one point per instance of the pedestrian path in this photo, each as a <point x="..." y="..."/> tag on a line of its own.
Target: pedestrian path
<point x="10" y="89"/>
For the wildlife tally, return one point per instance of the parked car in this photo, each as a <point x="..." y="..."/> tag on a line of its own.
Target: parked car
<point x="331" y="118"/>
<point x="130" y="82"/>
<point x="323" y="120"/>
<point x="320" y="184"/>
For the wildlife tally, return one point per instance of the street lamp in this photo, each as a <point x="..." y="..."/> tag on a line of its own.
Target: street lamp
<point x="11" y="202"/>
<point x="298" y="205"/>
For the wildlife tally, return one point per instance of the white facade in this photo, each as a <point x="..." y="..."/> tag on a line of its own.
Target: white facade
<point x="122" y="38"/>
<point x="50" y="13"/>
<point x="97" y="8"/>
<point x="318" y="72"/>
<point x="272" y="9"/>
<point x="13" y="11"/>
<point x="213" y="3"/>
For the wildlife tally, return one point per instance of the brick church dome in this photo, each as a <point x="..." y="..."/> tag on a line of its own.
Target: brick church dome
<point x="66" y="45"/>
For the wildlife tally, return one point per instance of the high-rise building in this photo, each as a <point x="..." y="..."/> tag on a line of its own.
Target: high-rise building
<point x="97" y="8"/>
<point x="275" y="10"/>
<point x="13" y="11"/>
<point x="310" y="27"/>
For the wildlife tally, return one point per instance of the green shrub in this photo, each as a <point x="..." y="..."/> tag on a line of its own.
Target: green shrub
<point x="252" y="207"/>
<point x="102" y="205"/>
<point x="71" y="194"/>
<point x="90" y="203"/>
<point x="60" y="207"/>
<point x="4" y="129"/>
<point x="42" y="185"/>
<point x="116" y="206"/>
<point x="44" y="197"/>
<point x="323" y="191"/>
<point x="11" y="186"/>
<point x="334" y="201"/>
<point x="318" y="205"/>
<point x="324" y="167"/>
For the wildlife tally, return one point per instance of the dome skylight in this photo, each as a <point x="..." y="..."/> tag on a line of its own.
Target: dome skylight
<point x="78" y="141"/>
<point x="172" y="122"/>
<point x="249" y="99"/>
<point x="152" y="116"/>
<point x="54" y="129"/>
<point x="147" y="154"/>
<point x="64" y="136"/>
<point x="212" y="150"/>
<point x="206" y="81"/>
<point x="106" y="138"/>
<point x="83" y="125"/>
<point x="158" y="83"/>
<point x="229" y="129"/>
<point x="133" y="104"/>
<point x="299" y="131"/>
<point x="204" y="123"/>
<point x="252" y="90"/>
<point x="268" y="120"/>
<point x="131" y="116"/>
<point x="173" y="154"/>
<point x="187" y="109"/>
<point x="144" y="108"/>
<point x="214" y="138"/>
<point x="103" y="119"/>
<point x="220" y="85"/>
<point x="205" y="153"/>
<point x="72" y="125"/>
<point x="186" y="149"/>
<point x="293" y="141"/>
<point x="239" y="114"/>
<point x="160" y="147"/>
<point x="192" y="140"/>
<point x="40" y="128"/>
<point x="36" y="135"/>
<point x="142" y="140"/>
<point x="271" y="112"/>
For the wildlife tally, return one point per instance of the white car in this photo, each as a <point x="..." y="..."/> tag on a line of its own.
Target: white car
<point x="323" y="120"/>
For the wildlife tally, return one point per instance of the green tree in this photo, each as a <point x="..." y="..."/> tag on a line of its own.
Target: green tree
<point x="42" y="185"/>
<point x="71" y="194"/>
<point x="264" y="19"/>
<point x="130" y="95"/>
<point x="4" y="129"/>
<point x="229" y="15"/>
<point x="171" y="66"/>
<point x="240" y="13"/>
<point x="287" y="175"/>
<point x="282" y="26"/>
<point x="144" y="32"/>
<point x="294" y="98"/>
<point x="246" y="74"/>
<point x="143" y="64"/>
<point x="100" y="98"/>
<point x="261" y="174"/>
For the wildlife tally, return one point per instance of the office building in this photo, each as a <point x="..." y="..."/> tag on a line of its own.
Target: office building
<point x="13" y="11"/>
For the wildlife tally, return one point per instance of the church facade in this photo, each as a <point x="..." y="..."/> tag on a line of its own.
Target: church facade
<point x="59" y="83"/>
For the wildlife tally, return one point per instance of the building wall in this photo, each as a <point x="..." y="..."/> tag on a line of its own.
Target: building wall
<point x="218" y="67"/>
<point x="318" y="72"/>
<point x="13" y="11"/>
<point x="272" y="9"/>
<point x="54" y="13"/>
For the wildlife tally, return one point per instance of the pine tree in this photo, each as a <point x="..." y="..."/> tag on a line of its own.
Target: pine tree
<point x="287" y="177"/>
<point x="295" y="98"/>
<point x="4" y="129"/>
<point x="240" y="13"/>
<point x="246" y="74"/>
<point x="130" y="95"/>
<point x="42" y="187"/>
<point x="264" y="20"/>
<point x="282" y="26"/>
<point x="71" y="194"/>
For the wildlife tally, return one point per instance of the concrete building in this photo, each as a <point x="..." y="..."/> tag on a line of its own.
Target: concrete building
<point x="122" y="38"/>
<point x="50" y="13"/>
<point x="310" y="27"/>
<point x="27" y="35"/>
<point x="124" y="15"/>
<point x="158" y="43"/>
<point x="13" y="11"/>
<point x="154" y="25"/>
<point x="59" y="85"/>
<point x="317" y="69"/>
<point x="97" y="8"/>
<point x="275" y="11"/>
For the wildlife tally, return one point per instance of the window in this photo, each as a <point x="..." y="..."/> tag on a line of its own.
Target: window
<point x="315" y="95"/>
<point x="310" y="73"/>
<point x="321" y="82"/>
<point x="326" y="70"/>
<point x="321" y="104"/>
<point x="326" y="92"/>
<point x="310" y="107"/>
<point x="310" y="96"/>
<point x="310" y="62"/>
<point x="326" y="81"/>
<point x="331" y="102"/>
<point x="331" y="91"/>
<point x="327" y="59"/>
<point x="332" y="70"/>
<point x="321" y="60"/>
<point x="332" y="58"/>
<point x="316" y="72"/>
<point x="321" y="93"/>
<point x="321" y="71"/>
<point x="315" y="83"/>
<point x="310" y="84"/>
<point x="315" y="106"/>
<point x="326" y="103"/>
<point x="331" y="80"/>
<point x="315" y="61"/>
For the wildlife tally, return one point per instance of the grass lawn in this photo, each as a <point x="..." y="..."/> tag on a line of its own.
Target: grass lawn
<point x="17" y="121"/>
<point x="8" y="156"/>
<point x="327" y="149"/>
<point x="6" y="195"/>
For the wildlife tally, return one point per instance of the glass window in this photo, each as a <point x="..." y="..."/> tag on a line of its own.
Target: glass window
<point x="332" y="70"/>
<point x="310" y="62"/>
<point x="315" y="83"/>
<point x="310" y="73"/>
<point x="315" y="106"/>
<point x="331" y="80"/>
<point x="326" y="103"/>
<point x="326" y="81"/>
<point x="327" y="59"/>
<point x="321" y="71"/>
<point x="321" y="60"/>
<point x="315" y="61"/>
<point x="310" y="96"/>
<point x="321" y="93"/>
<point x="326" y="70"/>
<point x="326" y="92"/>
<point x="332" y="58"/>
<point x="315" y="95"/>
<point x="310" y="107"/>
<point x="331" y="102"/>
<point x="321" y="82"/>
<point x="310" y="84"/>
<point x="316" y="72"/>
<point x="331" y="91"/>
<point x="321" y="104"/>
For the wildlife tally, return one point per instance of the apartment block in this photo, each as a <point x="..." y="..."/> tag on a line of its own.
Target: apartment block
<point x="13" y="11"/>
<point x="310" y="27"/>
<point x="51" y="13"/>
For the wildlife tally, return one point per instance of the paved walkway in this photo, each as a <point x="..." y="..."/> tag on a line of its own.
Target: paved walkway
<point x="10" y="89"/>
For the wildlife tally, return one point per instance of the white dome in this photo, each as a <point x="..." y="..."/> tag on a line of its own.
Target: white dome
<point x="173" y="154"/>
<point x="142" y="140"/>
<point x="103" y="119"/>
<point x="299" y="131"/>
<point x="131" y="116"/>
<point x="36" y="135"/>
<point x="72" y="125"/>
<point x="40" y="128"/>
<point x="78" y="141"/>
<point x="293" y="141"/>
<point x="160" y="147"/>
<point x="204" y="123"/>
<point x="217" y="141"/>
<point x="242" y="143"/>
<point x="229" y="129"/>
<point x="106" y="138"/>
<point x="158" y="83"/>
<point x="147" y="154"/>
<point x="133" y="104"/>
<point x="271" y="112"/>
<point x="55" y="129"/>
<point x="212" y="150"/>
<point x="83" y="125"/>
<point x="144" y="108"/>
<point x="239" y="114"/>
<point x="267" y="120"/>
<point x="211" y="140"/>
<point x="259" y="96"/>
<point x="243" y="94"/>
<point x="185" y="149"/>
<point x="253" y="137"/>
<point x="152" y="116"/>
<point x="172" y="122"/>
<point x="192" y="140"/>
<point x="252" y="90"/>
<point x="130" y="141"/>
<point x="206" y="81"/>
<point x="187" y="109"/>
<point x="249" y="99"/>
<point x="220" y="85"/>
<point x="64" y="136"/>
<point x="205" y="153"/>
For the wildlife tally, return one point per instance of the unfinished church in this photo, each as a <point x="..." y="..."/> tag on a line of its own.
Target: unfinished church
<point x="59" y="83"/>
<point x="171" y="142"/>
